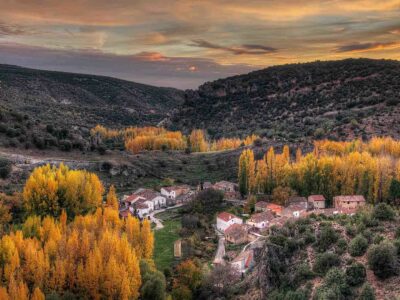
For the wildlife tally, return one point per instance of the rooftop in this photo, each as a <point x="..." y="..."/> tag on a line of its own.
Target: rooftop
<point x="225" y="216"/>
<point x="262" y="217"/>
<point x="316" y="198"/>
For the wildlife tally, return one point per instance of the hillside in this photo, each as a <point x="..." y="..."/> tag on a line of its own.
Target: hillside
<point x="46" y="109"/>
<point x="335" y="99"/>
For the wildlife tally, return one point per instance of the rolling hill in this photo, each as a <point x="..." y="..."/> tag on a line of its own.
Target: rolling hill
<point x="334" y="99"/>
<point x="46" y="109"/>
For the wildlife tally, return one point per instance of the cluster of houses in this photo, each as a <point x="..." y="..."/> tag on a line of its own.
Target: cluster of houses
<point x="266" y="215"/>
<point x="144" y="201"/>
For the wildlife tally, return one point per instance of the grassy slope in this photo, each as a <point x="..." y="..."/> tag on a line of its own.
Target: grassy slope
<point x="164" y="240"/>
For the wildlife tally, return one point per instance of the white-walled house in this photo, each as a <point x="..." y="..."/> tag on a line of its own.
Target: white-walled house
<point x="171" y="192"/>
<point x="225" y="219"/>
<point x="260" y="220"/>
<point x="156" y="198"/>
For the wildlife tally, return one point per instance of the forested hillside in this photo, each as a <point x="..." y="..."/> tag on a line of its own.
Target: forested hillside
<point x="35" y="106"/>
<point x="334" y="99"/>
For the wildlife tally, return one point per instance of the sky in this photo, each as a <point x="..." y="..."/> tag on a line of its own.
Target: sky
<point x="184" y="43"/>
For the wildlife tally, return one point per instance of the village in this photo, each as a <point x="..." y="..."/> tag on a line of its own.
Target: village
<point x="244" y="233"/>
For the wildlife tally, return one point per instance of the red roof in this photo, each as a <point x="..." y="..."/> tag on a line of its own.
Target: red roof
<point x="316" y="198"/>
<point x="275" y="208"/>
<point x="132" y="198"/>
<point x="225" y="216"/>
<point x="262" y="217"/>
<point x="125" y="213"/>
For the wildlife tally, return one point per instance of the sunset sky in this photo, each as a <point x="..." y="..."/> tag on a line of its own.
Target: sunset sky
<point x="185" y="43"/>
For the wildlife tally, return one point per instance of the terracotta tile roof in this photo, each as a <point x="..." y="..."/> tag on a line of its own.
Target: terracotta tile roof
<point x="350" y="198"/>
<point x="280" y="221"/>
<point x="147" y="194"/>
<point x="275" y="208"/>
<point x="132" y="198"/>
<point x="316" y="198"/>
<point x="225" y="216"/>
<point x="236" y="230"/>
<point x="262" y="217"/>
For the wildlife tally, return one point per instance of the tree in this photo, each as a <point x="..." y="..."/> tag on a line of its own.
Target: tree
<point x="112" y="200"/>
<point x="207" y="202"/>
<point x="250" y="204"/>
<point x="49" y="190"/>
<point x="325" y="261"/>
<point x="358" y="245"/>
<point x="367" y="293"/>
<point x="147" y="239"/>
<point x="188" y="274"/>
<point x="382" y="259"/>
<point x="246" y="174"/>
<point x="154" y="285"/>
<point x="356" y="274"/>
<point x="198" y="141"/>
<point x="383" y="212"/>
<point x="37" y="295"/>
<point x="281" y="194"/>
<point x="5" y="217"/>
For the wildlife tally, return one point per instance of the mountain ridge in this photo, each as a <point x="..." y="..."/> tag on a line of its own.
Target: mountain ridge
<point x="330" y="99"/>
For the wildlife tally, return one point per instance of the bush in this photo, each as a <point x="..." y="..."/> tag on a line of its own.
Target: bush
<point x="367" y="293"/>
<point x="325" y="261"/>
<point x="334" y="286"/>
<point x="341" y="246"/>
<point x="356" y="274"/>
<point x="327" y="238"/>
<point x="358" y="246"/>
<point x="382" y="259"/>
<point x="5" y="168"/>
<point x="383" y="212"/>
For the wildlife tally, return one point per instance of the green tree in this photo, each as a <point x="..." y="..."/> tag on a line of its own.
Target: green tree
<point x="367" y="293"/>
<point x="358" y="245"/>
<point x="382" y="259"/>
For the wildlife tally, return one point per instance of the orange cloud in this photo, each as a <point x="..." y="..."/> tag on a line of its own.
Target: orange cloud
<point x="150" y="56"/>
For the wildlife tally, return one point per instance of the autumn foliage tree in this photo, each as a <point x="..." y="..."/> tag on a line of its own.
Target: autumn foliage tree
<point x="246" y="172"/>
<point x="96" y="256"/>
<point x="50" y="189"/>
<point x="112" y="199"/>
<point x="332" y="168"/>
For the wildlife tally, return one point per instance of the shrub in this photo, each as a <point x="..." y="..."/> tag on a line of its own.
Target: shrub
<point x="356" y="274"/>
<point x="325" y="261"/>
<point x="382" y="259"/>
<point x="334" y="286"/>
<point x="383" y="212"/>
<point x="5" y="168"/>
<point x="358" y="246"/>
<point x="341" y="246"/>
<point x="327" y="238"/>
<point x="367" y="293"/>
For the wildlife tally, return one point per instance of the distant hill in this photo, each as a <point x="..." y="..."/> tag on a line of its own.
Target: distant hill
<point x="334" y="99"/>
<point x="46" y="109"/>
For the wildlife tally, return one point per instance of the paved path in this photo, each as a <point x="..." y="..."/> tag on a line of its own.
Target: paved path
<point x="219" y="256"/>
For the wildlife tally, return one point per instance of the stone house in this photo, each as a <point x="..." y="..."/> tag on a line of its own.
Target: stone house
<point x="317" y="201"/>
<point x="236" y="234"/>
<point x="349" y="202"/>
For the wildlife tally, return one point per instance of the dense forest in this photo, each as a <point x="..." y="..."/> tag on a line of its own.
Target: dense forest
<point x="333" y="168"/>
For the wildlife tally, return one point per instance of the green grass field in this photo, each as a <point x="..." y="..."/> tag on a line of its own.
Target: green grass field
<point x="164" y="243"/>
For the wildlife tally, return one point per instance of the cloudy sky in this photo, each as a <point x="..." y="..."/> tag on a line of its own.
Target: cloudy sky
<point x="183" y="43"/>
